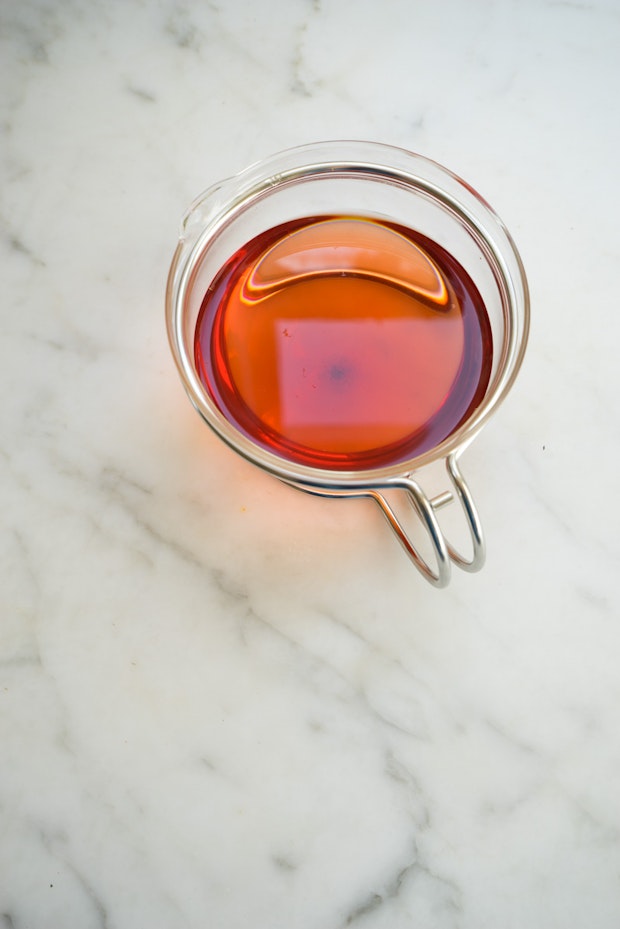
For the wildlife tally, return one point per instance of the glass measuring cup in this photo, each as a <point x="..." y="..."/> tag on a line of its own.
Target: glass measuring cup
<point x="397" y="190"/>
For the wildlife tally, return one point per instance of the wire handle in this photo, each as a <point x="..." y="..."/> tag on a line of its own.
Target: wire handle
<point x="426" y="509"/>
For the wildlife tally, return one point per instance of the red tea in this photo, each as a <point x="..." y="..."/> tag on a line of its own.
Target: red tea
<point x="344" y="343"/>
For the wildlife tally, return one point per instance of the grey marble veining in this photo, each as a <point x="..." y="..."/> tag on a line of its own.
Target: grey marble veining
<point x="224" y="703"/>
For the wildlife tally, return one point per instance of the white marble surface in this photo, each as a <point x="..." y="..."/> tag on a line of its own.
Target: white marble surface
<point x="226" y="704"/>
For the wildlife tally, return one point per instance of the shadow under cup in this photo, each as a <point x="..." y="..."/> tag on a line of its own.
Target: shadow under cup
<point x="397" y="190"/>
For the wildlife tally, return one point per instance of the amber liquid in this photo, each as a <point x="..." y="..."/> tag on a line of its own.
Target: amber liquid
<point x="344" y="342"/>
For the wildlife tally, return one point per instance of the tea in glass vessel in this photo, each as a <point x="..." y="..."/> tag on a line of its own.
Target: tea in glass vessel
<point x="343" y="315"/>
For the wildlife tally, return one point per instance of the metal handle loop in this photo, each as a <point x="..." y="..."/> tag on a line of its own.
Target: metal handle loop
<point x="471" y="515"/>
<point x="440" y="576"/>
<point x="444" y="552"/>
